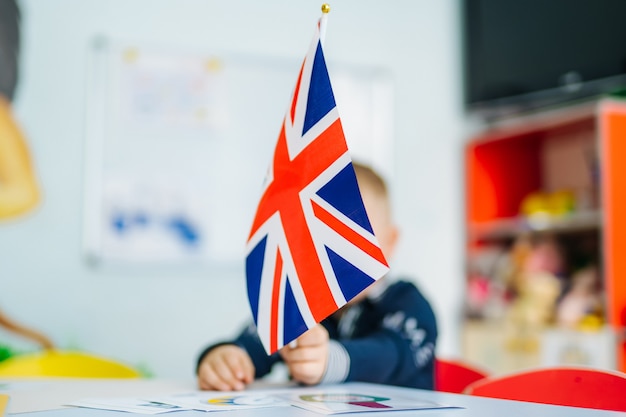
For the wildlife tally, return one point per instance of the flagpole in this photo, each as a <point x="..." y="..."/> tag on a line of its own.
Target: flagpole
<point x="325" y="10"/>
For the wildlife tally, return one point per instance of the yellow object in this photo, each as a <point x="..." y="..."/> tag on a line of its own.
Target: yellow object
<point x="555" y="204"/>
<point x="325" y="8"/>
<point x="561" y="202"/>
<point x="591" y="323"/>
<point x="64" y="364"/>
<point x="534" y="203"/>
<point x="4" y="401"/>
<point x="213" y="65"/>
<point x="19" y="191"/>
<point x="131" y="55"/>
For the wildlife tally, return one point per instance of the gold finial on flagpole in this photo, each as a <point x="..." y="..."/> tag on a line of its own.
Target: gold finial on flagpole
<point x="322" y="27"/>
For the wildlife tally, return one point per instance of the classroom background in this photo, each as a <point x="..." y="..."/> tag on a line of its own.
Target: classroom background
<point x="156" y="306"/>
<point x="160" y="317"/>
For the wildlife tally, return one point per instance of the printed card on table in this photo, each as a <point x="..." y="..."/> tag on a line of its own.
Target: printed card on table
<point x="224" y="401"/>
<point x="348" y="401"/>
<point x="131" y="405"/>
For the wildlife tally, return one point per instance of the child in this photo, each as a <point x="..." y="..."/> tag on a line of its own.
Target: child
<point x="385" y="335"/>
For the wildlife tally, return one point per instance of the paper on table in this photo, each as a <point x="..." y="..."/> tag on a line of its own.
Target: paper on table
<point x="203" y="401"/>
<point x="336" y="399"/>
<point x="133" y="405"/>
<point x="346" y="400"/>
<point x="224" y="401"/>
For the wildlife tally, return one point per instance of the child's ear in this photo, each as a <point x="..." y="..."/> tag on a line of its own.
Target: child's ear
<point x="392" y="237"/>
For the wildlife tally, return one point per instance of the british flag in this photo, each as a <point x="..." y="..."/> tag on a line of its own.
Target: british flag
<point x="311" y="247"/>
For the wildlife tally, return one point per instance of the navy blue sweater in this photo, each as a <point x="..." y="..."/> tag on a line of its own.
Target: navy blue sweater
<point x="389" y="339"/>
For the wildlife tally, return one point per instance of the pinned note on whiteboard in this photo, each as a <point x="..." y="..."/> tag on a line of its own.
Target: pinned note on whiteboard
<point x="174" y="137"/>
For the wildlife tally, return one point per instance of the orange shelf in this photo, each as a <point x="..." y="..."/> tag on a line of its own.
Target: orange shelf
<point x="612" y="115"/>
<point x="509" y="228"/>
<point x="506" y="163"/>
<point x="504" y="167"/>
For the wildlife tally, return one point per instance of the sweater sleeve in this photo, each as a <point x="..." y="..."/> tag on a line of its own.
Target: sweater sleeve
<point x="400" y="349"/>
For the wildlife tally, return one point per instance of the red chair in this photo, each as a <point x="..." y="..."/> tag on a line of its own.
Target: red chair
<point x="455" y="375"/>
<point x="570" y="386"/>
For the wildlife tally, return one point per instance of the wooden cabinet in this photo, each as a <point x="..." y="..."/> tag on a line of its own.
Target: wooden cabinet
<point x="558" y="177"/>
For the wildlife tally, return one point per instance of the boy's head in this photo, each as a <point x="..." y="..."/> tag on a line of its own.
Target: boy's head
<point x="378" y="207"/>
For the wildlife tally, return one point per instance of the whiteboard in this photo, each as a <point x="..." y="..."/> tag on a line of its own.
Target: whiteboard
<point x="178" y="143"/>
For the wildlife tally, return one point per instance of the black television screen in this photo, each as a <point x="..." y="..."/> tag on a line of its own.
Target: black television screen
<point x="523" y="54"/>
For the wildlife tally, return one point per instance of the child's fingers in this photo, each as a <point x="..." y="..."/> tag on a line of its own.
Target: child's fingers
<point x="209" y="379"/>
<point x="240" y="366"/>
<point x="220" y="384"/>
<point x="226" y="368"/>
<point x="208" y="382"/>
<point x="235" y="368"/>
<point x="248" y="368"/>
<point x="303" y="354"/>
<point x="308" y="372"/>
<point x="227" y="375"/>
<point x="314" y="336"/>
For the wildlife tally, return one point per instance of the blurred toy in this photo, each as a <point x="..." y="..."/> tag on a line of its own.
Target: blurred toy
<point x="537" y="286"/>
<point x="582" y="303"/>
<point x="536" y="301"/>
<point x="486" y="291"/>
<point x="545" y="256"/>
<point x="541" y="206"/>
<point x="538" y="283"/>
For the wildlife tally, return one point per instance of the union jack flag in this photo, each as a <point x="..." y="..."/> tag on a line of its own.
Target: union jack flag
<point x="311" y="247"/>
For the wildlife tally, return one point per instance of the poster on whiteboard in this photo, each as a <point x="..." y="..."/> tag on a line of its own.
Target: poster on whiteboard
<point x="177" y="144"/>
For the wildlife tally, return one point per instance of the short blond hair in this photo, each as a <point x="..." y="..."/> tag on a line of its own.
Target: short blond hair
<point x="366" y="176"/>
<point x="372" y="183"/>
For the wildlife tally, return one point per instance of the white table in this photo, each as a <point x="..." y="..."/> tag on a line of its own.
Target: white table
<point x="45" y="398"/>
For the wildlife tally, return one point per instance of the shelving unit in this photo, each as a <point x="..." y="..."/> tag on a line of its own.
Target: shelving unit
<point x="581" y="149"/>
<point x="506" y="163"/>
<point x="511" y="227"/>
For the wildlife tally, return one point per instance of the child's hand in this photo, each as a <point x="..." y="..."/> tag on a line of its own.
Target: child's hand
<point x="225" y="368"/>
<point x="307" y="360"/>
